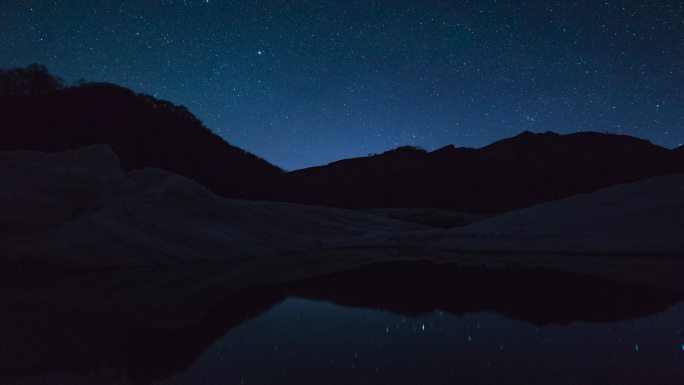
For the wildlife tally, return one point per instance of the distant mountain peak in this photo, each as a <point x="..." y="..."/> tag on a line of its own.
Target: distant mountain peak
<point x="447" y="148"/>
<point x="511" y="173"/>
<point x="406" y="150"/>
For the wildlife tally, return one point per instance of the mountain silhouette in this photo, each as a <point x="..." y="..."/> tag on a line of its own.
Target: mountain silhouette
<point x="142" y="130"/>
<point x="508" y="174"/>
<point x="39" y="113"/>
<point x="679" y="152"/>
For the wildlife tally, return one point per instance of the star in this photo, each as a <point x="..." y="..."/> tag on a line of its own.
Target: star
<point x="469" y="76"/>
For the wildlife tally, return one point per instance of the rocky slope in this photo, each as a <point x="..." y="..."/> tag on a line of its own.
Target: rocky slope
<point x="142" y="130"/>
<point x="80" y="208"/>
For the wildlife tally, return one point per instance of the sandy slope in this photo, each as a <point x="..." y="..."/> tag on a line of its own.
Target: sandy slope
<point x="78" y="207"/>
<point x="646" y="217"/>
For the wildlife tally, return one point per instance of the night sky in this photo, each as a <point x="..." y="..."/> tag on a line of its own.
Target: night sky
<point x="309" y="82"/>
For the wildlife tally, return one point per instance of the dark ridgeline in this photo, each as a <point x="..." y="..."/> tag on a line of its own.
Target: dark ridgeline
<point x="679" y="151"/>
<point x="508" y="174"/>
<point x="33" y="79"/>
<point x="38" y="113"/>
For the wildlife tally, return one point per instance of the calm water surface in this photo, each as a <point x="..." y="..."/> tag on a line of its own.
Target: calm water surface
<point x="384" y="323"/>
<point x="307" y="342"/>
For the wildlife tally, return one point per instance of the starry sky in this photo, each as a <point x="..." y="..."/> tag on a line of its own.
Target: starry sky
<point x="303" y="83"/>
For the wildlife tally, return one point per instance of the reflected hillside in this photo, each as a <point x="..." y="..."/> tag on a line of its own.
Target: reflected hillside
<point x="539" y="296"/>
<point x="145" y="324"/>
<point x="413" y="289"/>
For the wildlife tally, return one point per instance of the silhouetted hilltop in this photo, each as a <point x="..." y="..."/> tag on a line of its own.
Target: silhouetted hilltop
<point x="680" y="152"/>
<point x="40" y="114"/>
<point x="508" y="174"/>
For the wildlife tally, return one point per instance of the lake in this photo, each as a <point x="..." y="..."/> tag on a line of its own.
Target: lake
<point x="301" y="341"/>
<point x="382" y="323"/>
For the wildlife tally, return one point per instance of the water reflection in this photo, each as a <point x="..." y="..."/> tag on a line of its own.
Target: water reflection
<point x="301" y="341"/>
<point x="410" y="289"/>
<point x="408" y="322"/>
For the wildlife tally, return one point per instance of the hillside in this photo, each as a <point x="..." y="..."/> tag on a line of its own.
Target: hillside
<point x="142" y="130"/>
<point x="38" y="113"/>
<point x="508" y="174"/>
<point x="646" y="217"/>
<point x="679" y="152"/>
<point x="79" y="208"/>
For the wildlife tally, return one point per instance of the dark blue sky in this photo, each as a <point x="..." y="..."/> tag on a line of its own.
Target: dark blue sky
<point x="308" y="82"/>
